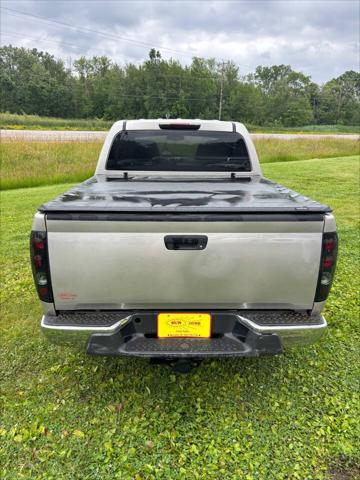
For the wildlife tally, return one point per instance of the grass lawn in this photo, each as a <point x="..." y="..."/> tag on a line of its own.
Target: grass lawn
<point x="66" y="415"/>
<point x="28" y="164"/>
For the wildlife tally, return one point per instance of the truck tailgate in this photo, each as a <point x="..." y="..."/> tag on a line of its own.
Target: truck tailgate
<point x="252" y="261"/>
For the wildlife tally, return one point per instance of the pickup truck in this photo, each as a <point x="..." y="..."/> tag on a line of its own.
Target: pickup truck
<point x="178" y="248"/>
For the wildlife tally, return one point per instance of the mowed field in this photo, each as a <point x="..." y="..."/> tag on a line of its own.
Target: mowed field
<point x="66" y="415"/>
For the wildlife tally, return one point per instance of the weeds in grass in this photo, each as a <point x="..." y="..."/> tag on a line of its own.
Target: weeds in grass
<point x="307" y="129"/>
<point x="29" y="164"/>
<point x="272" y="150"/>
<point x="34" y="122"/>
<point x="15" y="121"/>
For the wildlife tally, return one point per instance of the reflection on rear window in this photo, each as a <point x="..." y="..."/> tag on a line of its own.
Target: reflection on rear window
<point x="179" y="151"/>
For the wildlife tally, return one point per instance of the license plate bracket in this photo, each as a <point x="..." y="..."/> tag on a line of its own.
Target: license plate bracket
<point x="183" y="325"/>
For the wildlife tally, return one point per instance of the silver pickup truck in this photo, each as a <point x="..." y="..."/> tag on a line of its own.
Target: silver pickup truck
<point x="178" y="248"/>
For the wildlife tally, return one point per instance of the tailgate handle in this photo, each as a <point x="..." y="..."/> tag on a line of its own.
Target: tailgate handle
<point x="186" y="242"/>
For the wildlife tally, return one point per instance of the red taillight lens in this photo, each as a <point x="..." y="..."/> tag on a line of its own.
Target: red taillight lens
<point x="38" y="244"/>
<point x="329" y="245"/>
<point x="327" y="266"/>
<point x="328" y="262"/>
<point x="38" y="261"/>
<point x="43" y="291"/>
<point x="40" y="265"/>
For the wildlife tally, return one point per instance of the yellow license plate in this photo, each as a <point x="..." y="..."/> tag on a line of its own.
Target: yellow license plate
<point x="184" y="325"/>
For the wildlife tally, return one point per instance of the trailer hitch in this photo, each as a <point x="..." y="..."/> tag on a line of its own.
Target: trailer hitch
<point x="178" y="365"/>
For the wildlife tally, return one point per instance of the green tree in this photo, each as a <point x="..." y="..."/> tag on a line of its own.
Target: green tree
<point x="246" y="103"/>
<point x="35" y="82"/>
<point x="339" y="100"/>
<point x="287" y="95"/>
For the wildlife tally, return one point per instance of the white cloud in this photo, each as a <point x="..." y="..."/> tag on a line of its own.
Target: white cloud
<point x="317" y="37"/>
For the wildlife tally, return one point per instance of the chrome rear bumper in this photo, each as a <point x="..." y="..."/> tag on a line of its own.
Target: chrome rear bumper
<point x="236" y="333"/>
<point x="291" y="333"/>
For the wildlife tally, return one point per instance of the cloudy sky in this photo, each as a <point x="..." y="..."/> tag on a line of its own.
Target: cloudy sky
<point x="318" y="37"/>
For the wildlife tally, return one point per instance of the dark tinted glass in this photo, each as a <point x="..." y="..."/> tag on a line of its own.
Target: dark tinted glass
<point x="179" y="151"/>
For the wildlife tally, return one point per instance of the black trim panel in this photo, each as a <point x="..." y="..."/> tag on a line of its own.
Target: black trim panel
<point x="185" y="217"/>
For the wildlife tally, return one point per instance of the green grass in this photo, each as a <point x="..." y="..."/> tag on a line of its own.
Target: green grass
<point x="66" y="415"/>
<point x="29" y="164"/>
<point x="275" y="150"/>
<point x="320" y="129"/>
<point x="13" y="121"/>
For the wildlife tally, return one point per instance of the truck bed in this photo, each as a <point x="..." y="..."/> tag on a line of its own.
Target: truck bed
<point x="179" y="194"/>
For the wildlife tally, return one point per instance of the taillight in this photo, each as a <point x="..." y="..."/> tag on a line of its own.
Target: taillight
<point x="40" y="265"/>
<point x="179" y="126"/>
<point x="327" y="266"/>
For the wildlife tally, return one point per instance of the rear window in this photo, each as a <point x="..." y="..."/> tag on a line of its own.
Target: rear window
<point x="179" y="151"/>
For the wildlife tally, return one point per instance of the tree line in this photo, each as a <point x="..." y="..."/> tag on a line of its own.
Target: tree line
<point x="34" y="82"/>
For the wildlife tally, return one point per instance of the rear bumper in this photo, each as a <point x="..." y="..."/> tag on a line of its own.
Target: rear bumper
<point x="236" y="333"/>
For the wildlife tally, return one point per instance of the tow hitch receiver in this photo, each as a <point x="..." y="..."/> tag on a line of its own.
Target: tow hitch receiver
<point x="181" y="365"/>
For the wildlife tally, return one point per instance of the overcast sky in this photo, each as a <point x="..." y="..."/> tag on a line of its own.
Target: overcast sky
<point x="318" y="37"/>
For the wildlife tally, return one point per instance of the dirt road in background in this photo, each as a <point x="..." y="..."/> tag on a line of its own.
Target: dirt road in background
<point x="90" y="136"/>
<point x="52" y="135"/>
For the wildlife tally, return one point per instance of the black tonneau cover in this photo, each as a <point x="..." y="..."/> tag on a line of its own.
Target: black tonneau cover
<point x="193" y="195"/>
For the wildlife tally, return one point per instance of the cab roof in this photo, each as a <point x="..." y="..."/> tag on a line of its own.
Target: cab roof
<point x="155" y="124"/>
